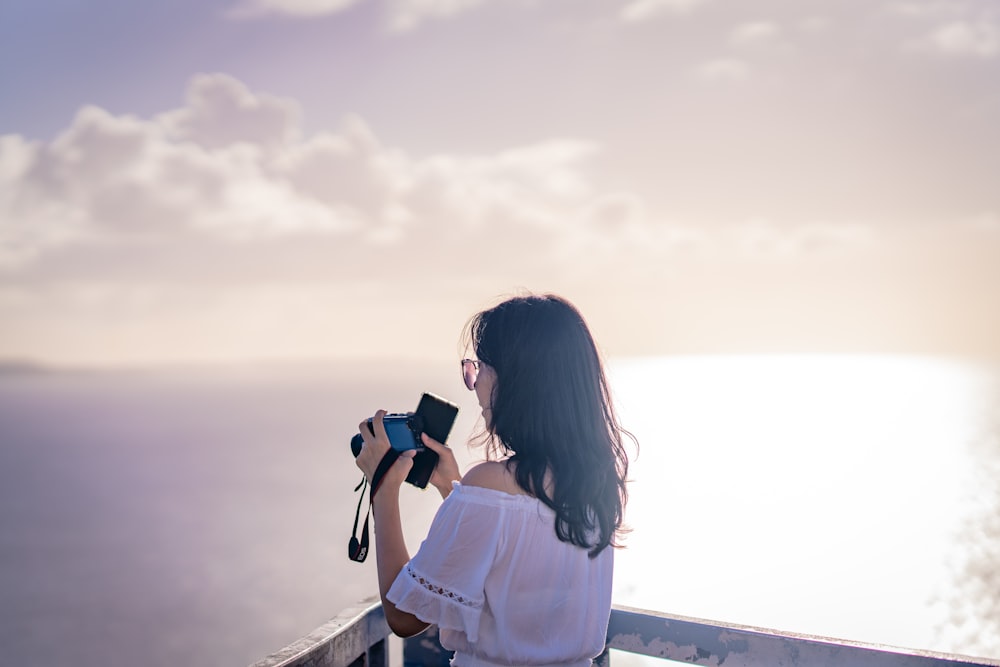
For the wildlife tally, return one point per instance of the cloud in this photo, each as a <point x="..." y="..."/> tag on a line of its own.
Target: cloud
<point x="221" y="111"/>
<point x="250" y="9"/>
<point x="405" y="15"/>
<point x="814" y="24"/>
<point x="184" y="227"/>
<point x="400" y="15"/>
<point x="28" y="221"/>
<point x="954" y="29"/>
<point x="118" y="181"/>
<point x="637" y="11"/>
<point x="230" y="172"/>
<point x="227" y="187"/>
<point x="754" y="32"/>
<point x="926" y="8"/>
<point x="536" y="186"/>
<point x="222" y="220"/>
<point x="766" y="240"/>
<point x="723" y="69"/>
<point x="966" y="38"/>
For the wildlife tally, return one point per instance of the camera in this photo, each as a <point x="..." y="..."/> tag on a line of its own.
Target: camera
<point x="403" y="428"/>
<point x="433" y="416"/>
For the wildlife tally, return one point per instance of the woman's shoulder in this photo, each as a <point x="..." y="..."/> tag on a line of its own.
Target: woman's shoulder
<point x="493" y="475"/>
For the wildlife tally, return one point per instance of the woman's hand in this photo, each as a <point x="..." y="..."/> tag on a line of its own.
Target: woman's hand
<point x="446" y="471"/>
<point x="374" y="449"/>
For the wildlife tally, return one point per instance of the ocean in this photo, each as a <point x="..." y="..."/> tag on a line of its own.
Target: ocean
<point x="200" y="515"/>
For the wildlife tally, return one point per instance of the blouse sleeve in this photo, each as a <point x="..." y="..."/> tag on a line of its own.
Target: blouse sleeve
<point x="444" y="582"/>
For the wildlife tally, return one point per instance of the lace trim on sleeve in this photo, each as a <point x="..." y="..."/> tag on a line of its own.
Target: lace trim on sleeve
<point x="441" y="591"/>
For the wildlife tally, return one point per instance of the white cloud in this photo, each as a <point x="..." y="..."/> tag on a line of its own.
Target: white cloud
<point x="636" y="11"/>
<point x="926" y="8"/>
<point x="230" y="167"/>
<point x="295" y="8"/>
<point x="221" y="111"/>
<point x="952" y="29"/>
<point x="966" y="38"/>
<point x="122" y="180"/>
<point x="183" y="236"/>
<point x="407" y="14"/>
<point x="142" y="230"/>
<point x="764" y="239"/>
<point x="518" y="197"/>
<point x="350" y="169"/>
<point x="400" y="15"/>
<point x="723" y="69"/>
<point x="755" y="32"/>
<point x="28" y="219"/>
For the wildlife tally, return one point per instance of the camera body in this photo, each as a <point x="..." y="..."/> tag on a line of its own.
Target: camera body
<point x="433" y="416"/>
<point x="403" y="428"/>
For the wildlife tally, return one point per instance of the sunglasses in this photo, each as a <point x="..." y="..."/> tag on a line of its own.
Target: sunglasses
<point x="470" y="372"/>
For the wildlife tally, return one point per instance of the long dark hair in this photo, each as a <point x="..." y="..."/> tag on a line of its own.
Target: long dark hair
<point x="552" y="412"/>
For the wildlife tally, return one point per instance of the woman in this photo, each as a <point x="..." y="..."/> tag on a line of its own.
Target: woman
<point x="515" y="569"/>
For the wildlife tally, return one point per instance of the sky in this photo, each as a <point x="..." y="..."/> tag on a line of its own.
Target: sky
<point x="229" y="180"/>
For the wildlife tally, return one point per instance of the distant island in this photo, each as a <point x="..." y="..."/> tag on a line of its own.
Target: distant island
<point x="22" y="367"/>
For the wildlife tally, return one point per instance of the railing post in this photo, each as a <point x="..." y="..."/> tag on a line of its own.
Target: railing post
<point x="425" y="650"/>
<point x="378" y="654"/>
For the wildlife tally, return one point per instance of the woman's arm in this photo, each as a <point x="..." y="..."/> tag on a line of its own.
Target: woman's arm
<point x="391" y="557"/>
<point x="390" y="548"/>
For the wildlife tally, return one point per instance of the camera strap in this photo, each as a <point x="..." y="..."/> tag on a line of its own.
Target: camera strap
<point x="357" y="549"/>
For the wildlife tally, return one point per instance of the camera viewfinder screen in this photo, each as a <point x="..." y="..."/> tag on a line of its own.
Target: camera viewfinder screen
<point x="400" y="435"/>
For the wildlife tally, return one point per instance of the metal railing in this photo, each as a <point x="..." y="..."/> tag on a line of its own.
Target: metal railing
<point x="358" y="637"/>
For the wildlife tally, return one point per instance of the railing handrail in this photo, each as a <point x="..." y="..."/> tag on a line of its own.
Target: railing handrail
<point x="704" y="642"/>
<point x="337" y="643"/>
<point x="357" y="636"/>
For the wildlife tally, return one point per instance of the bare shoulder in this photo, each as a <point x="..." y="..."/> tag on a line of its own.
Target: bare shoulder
<point x="492" y="475"/>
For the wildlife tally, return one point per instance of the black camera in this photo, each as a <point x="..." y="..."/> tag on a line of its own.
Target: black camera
<point x="433" y="416"/>
<point x="403" y="428"/>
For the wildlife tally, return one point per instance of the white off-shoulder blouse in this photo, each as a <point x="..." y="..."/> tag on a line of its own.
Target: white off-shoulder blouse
<point x="503" y="589"/>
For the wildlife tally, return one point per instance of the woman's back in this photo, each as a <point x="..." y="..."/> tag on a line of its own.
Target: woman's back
<point x="505" y="589"/>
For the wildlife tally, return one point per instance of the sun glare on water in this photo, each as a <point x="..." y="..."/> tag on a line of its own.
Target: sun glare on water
<point x="815" y="494"/>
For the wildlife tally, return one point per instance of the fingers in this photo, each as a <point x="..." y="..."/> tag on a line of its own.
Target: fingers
<point x="369" y="427"/>
<point x="432" y="443"/>
<point x="397" y="473"/>
<point x="376" y="443"/>
<point x="379" y="425"/>
<point x="365" y="430"/>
